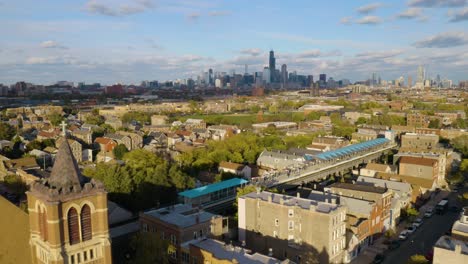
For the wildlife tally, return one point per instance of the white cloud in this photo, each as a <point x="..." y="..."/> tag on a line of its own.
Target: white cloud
<point x="118" y="7"/>
<point x="410" y="13"/>
<point x="459" y="15"/>
<point x="370" y="20"/>
<point x="50" y="44"/>
<point x="252" y="51"/>
<point x="437" y="3"/>
<point x="443" y="40"/>
<point x="369" y="8"/>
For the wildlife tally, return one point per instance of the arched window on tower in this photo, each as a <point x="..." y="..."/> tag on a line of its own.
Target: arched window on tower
<point x="43" y="223"/>
<point x="73" y="227"/>
<point x="86" y="228"/>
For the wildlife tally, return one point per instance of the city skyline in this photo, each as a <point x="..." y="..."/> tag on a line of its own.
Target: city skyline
<point x="96" y="41"/>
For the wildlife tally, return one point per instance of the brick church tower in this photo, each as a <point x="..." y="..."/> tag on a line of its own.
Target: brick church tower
<point x="68" y="216"/>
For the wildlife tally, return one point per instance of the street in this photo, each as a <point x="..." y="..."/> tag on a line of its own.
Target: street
<point x="423" y="239"/>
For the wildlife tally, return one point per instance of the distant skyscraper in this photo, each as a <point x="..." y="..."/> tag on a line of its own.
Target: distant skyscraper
<point x="421" y="73"/>
<point x="284" y="73"/>
<point x="210" y="76"/>
<point x="272" y="66"/>
<point x="266" y="75"/>
<point x="410" y="81"/>
<point x="323" y="78"/>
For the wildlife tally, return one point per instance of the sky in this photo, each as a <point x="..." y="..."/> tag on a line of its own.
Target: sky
<point x="127" y="41"/>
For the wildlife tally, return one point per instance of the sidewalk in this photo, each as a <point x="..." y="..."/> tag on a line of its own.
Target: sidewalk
<point x="378" y="247"/>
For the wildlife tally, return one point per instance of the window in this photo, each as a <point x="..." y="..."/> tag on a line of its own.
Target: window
<point x="291" y="225"/>
<point x="276" y="222"/>
<point x="201" y="233"/>
<point x="185" y="257"/>
<point x="194" y="260"/>
<point x="72" y="259"/>
<point x="145" y="227"/>
<point x="91" y="254"/>
<point x="195" y="235"/>
<point x="163" y="235"/>
<point x="173" y="239"/>
<point x="78" y="257"/>
<point x="73" y="229"/>
<point x="85" y="256"/>
<point x="290" y="212"/>
<point x="43" y="224"/>
<point x="86" y="229"/>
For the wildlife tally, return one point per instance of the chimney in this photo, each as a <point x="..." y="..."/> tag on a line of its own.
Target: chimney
<point x="298" y="195"/>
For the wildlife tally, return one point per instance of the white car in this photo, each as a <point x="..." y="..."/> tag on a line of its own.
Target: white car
<point x="418" y="222"/>
<point x="403" y="235"/>
<point x="429" y="213"/>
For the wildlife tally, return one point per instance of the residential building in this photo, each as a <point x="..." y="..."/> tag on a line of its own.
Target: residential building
<point x="371" y="169"/>
<point x="278" y="160"/>
<point x="235" y="168"/>
<point x="419" y="141"/>
<point x="191" y="123"/>
<point x="136" y="140"/>
<point x="292" y="228"/>
<point x="84" y="135"/>
<point x="105" y="144"/>
<point x="158" y="120"/>
<point x="75" y="146"/>
<point x="419" y="167"/>
<point x="180" y="224"/>
<point x="381" y="196"/>
<point x="417" y="120"/>
<point x="327" y="143"/>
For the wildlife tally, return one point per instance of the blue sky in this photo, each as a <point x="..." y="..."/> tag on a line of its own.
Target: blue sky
<point x="127" y="41"/>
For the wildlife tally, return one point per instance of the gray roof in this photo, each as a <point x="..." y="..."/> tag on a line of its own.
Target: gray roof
<point x="229" y="252"/>
<point x="355" y="206"/>
<point x="308" y="204"/>
<point x="65" y="172"/>
<point x="181" y="215"/>
<point x="392" y="185"/>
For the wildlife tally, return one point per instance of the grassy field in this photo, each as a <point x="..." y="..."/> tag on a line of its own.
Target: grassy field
<point x="245" y="120"/>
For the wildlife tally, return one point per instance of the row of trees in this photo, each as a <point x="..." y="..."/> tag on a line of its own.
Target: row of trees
<point x="242" y="148"/>
<point x="145" y="181"/>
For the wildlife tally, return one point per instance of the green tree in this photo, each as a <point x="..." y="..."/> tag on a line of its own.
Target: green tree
<point x="120" y="151"/>
<point x="55" y="118"/>
<point x="460" y="123"/>
<point x="6" y="131"/>
<point x="136" y="116"/>
<point x="360" y="121"/>
<point x="434" y="123"/>
<point x="149" y="248"/>
<point x="461" y="144"/>
<point x="49" y="142"/>
<point x="34" y="145"/>
<point x="411" y="212"/>
<point x="179" y="179"/>
<point x="95" y="120"/>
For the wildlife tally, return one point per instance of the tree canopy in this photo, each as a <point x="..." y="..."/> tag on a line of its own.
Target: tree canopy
<point x="120" y="151"/>
<point x="145" y="180"/>
<point x="6" y="131"/>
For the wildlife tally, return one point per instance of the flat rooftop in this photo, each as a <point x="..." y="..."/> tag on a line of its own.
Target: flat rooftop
<point x="307" y="204"/>
<point x="204" y="190"/>
<point x="180" y="215"/>
<point x="230" y="252"/>
<point x="358" y="187"/>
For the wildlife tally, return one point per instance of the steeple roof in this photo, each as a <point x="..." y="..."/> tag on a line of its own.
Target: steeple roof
<point x="65" y="172"/>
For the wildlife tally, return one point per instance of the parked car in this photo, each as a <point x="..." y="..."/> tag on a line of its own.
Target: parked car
<point x="429" y="212"/>
<point x="411" y="229"/>
<point x="403" y="235"/>
<point x="418" y="222"/>
<point x="379" y="258"/>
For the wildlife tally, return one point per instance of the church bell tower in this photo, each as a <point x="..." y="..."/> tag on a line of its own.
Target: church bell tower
<point x="68" y="216"/>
